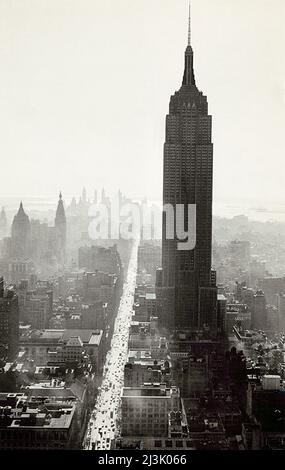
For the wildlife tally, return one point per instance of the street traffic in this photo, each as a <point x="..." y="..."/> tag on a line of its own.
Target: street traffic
<point x="104" y="423"/>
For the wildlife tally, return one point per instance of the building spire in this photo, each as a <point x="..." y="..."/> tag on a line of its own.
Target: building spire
<point x="60" y="212"/>
<point x="189" y="77"/>
<point x="189" y="24"/>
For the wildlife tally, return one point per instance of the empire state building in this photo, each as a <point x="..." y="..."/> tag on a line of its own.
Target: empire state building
<point x="188" y="284"/>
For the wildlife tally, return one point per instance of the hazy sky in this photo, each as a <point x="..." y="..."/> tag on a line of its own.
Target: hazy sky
<point x="85" y="87"/>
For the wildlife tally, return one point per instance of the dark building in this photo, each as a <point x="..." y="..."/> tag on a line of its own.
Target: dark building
<point x="98" y="258"/>
<point x="221" y="313"/>
<point x="259" y="313"/>
<point x="9" y="323"/>
<point x="189" y="290"/>
<point x="94" y="315"/>
<point x="191" y="373"/>
<point x="266" y="413"/>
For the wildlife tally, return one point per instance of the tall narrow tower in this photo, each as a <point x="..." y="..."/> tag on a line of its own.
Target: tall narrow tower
<point x="60" y="228"/>
<point x="188" y="284"/>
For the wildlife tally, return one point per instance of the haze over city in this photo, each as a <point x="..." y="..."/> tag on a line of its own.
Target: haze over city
<point x="85" y="84"/>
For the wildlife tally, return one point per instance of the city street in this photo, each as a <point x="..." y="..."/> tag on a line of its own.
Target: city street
<point x="103" y="424"/>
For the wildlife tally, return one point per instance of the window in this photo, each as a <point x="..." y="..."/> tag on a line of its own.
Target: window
<point x="179" y="444"/>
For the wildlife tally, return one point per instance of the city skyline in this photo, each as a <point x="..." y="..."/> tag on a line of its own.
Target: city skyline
<point x="124" y="327"/>
<point x="54" y="79"/>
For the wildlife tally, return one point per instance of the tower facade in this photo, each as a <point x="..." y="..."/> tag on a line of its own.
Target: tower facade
<point x="188" y="284"/>
<point x="60" y="230"/>
<point x="9" y="323"/>
<point x="21" y="234"/>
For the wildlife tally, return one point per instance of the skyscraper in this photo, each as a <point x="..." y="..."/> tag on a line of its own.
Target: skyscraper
<point x="188" y="283"/>
<point x="60" y="228"/>
<point x="9" y="323"/>
<point x="21" y="234"/>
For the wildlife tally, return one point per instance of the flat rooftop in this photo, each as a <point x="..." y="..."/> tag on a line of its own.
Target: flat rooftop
<point x="150" y="296"/>
<point x="43" y="420"/>
<point x="221" y="297"/>
<point x="155" y="392"/>
<point x="92" y="337"/>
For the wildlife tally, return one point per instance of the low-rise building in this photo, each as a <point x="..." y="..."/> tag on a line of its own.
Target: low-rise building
<point x="30" y="422"/>
<point x="139" y="372"/>
<point x="50" y="347"/>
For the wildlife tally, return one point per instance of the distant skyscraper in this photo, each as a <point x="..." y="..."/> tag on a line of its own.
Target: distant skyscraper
<point x="103" y="196"/>
<point x="259" y="314"/>
<point x="189" y="291"/>
<point x="60" y="228"/>
<point x="84" y="195"/>
<point x="21" y="234"/>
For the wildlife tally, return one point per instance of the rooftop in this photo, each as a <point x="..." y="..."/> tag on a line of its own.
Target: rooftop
<point x="152" y="391"/>
<point x="91" y="337"/>
<point x="21" y="411"/>
<point x="221" y="297"/>
<point x="150" y="296"/>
